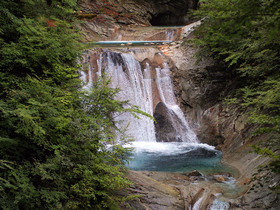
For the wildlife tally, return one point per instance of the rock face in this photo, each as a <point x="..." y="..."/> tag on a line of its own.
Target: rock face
<point x="153" y="194"/>
<point x="171" y="12"/>
<point x="108" y="17"/>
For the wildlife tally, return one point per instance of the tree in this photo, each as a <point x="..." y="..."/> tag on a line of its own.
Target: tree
<point x="53" y="136"/>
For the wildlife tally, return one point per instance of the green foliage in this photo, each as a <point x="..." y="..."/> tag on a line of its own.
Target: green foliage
<point x="39" y="50"/>
<point x="54" y="139"/>
<point x="56" y="145"/>
<point x="269" y="170"/>
<point x="245" y="35"/>
<point x="275" y="163"/>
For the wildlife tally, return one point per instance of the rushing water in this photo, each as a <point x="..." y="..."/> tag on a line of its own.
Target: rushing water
<point x="125" y="72"/>
<point x="219" y="205"/>
<point x="170" y="34"/>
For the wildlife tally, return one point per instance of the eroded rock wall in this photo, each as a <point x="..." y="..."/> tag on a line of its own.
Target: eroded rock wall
<point x="104" y="18"/>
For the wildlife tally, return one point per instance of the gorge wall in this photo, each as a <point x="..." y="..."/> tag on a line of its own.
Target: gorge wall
<point x="201" y="89"/>
<point x="105" y="18"/>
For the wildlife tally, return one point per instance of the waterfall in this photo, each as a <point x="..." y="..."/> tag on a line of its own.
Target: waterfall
<point x="170" y="34"/>
<point x="86" y="78"/>
<point x="126" y="75"/>
<point x="138" y="87"/>
<point x="166" y="92"/>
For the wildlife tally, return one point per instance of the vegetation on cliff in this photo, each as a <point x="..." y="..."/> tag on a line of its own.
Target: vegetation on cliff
<point x="245" y="35"/>
<point x="52" y="136"/>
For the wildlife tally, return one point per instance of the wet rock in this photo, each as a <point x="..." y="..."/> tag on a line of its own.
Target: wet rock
<point x="225" y="174"/>
<point x="220" y="178"/>
<point x="168" y="126"/>
<point x="201" y="89"/>
<point x="197" y="196"/>
<point x="194" y="173"/>
<point x="202" y="152"/>
<point x="154" y="194"/>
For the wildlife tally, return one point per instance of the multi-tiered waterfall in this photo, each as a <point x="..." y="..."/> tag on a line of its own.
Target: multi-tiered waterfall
<point x="148" y="87"/>
<point x="144" y="77"/>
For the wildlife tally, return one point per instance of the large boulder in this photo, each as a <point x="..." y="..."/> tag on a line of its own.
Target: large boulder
<point x="168" y="126"/>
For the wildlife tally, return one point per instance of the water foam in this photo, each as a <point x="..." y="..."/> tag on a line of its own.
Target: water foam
<point x="167" y="148"/>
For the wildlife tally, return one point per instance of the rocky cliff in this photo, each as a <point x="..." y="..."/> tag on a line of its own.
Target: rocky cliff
<point x="104" y="18"/>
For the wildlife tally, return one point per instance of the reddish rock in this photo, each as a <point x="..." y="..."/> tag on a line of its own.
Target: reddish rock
<point x="220" y="178"/>
<point x="194" y="173"/>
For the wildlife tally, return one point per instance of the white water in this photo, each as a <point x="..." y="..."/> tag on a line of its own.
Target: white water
<point x="219" y="205"/>
<point x="167" y="148"/>
<point x="170" y="35"/>
<point x="87" y="78"/>
<point x="174" y="157"/>
<point x="126" y="74"/>
<point x="197" y="204"/>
